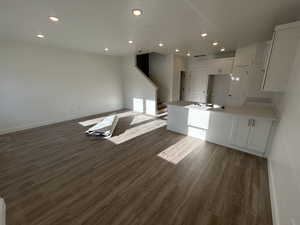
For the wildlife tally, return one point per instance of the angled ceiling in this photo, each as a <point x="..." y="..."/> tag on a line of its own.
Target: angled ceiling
<point x="92" y="25"/>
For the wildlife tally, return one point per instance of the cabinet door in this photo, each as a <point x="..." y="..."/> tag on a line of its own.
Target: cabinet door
<point x="220" y="127"/>
<point x="245" y="56"/>
<point x="177" y="119"/>
<point x="281" y="57"/>
<point x="227" y="65"/>
<point x="220" y="66"/>
<point x="238" y="85"/>
<point x="241" y="130"/>
<point x="259" y="134"/>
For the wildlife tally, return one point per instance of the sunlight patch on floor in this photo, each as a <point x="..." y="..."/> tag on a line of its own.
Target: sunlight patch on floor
<point x="134" y="132"/>
<point x="177" y="152"/>
<point x="141" y="119"/>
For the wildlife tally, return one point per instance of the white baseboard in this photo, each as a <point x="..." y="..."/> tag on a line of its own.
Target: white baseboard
<point x="2" y="212"/>
<point x="273" y="195"/>
<point x="44" y="123"/>
<point x="28" y="126"/>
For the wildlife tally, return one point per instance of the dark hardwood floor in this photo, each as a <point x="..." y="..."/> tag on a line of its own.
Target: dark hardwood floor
<point x="144" y="175"/>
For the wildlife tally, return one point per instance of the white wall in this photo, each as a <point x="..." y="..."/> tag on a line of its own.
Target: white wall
<point x="139" y="90"/>
<point x="179" y="64"/>
<point x="284" y="158"/>
<point x="41" y="85"/>
<point x="161" y="74"/>
<point x="165" y="72"/>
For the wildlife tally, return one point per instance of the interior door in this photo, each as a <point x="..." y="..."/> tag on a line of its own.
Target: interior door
<point x="182" y="85"/>
<point x="241" y="130"/>
<point x="220" y="89"/>
<point x="198" y="84"/>
<point x="259" y="134"/>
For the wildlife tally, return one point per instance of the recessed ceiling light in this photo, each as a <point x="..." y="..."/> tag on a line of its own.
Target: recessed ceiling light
<point x="177" y="50"/>
<point x="222" y="49"/>
<point x="137" y="12"/>
<point x="188" y="54"/>
<point x="160" y="44"/>
<point x="106" y="49"/>
<point x="53" y="18"/>
<point x="130" y="42"/>
<point x="215" y="43"/>
<point x="203" y="34"/>
<point x="40" y="36"/>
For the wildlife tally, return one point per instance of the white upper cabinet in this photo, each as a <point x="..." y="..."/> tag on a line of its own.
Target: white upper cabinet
<point x="245" y="56"/>
<point x="198" y="72"/>
<point x="281" y="57"/>
<point x="248" y="73"/>
<point x="220" y="66"/>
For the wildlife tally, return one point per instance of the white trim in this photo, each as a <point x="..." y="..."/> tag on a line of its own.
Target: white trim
<point x="2" y="212"/>
<point x="273" y="196"/>
<point x="144" y="75"/>
<point x="292" y="25"/>
<point x="44" y="123"/>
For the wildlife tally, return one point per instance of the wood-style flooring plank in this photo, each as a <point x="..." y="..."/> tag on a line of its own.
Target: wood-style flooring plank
<point x="55" y="175"/>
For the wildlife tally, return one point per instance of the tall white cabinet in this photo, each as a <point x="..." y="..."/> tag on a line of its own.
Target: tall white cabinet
<point x="248" y="73"/>
<point x="281" y="57"/>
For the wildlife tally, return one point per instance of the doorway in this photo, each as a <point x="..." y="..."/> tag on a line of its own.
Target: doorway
<point x="182" y="86"/>
<point x="218" y="89"/>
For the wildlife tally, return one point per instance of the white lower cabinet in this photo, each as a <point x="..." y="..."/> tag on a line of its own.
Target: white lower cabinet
<point x="259" y="134"/>
<point x="220" y="126"/>
<point x="251" y="133"/>
<point x="248" y="134"/>
<point x="240" y="132"/>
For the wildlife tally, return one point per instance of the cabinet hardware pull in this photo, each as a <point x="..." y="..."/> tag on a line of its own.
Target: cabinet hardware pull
<point x="249" y="123"/>
<point x="253" y="123"/>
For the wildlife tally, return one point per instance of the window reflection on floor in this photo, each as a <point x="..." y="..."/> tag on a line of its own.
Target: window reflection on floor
<point x="177" y="152"/>
<point x="138" y="130"/>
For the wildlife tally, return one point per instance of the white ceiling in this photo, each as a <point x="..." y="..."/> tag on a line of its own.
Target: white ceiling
<point x="92" y="25"/>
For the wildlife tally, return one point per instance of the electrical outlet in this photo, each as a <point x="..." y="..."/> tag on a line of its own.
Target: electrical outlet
<point x="292" y="222"/>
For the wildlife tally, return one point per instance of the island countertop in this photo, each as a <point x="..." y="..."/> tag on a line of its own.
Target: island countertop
<point x="266" y="112"/>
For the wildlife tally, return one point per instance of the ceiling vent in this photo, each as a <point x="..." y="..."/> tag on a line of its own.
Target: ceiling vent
<point x="198" y="56"/>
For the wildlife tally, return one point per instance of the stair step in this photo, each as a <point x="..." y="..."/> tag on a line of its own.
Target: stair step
<point x="163" y="110"/>
<point x="161" y="106"/>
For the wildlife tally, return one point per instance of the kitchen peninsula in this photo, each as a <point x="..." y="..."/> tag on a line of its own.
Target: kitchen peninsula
<point x="246" y="128"/>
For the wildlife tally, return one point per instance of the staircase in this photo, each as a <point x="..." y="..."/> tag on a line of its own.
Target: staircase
<point x="161" y="109"/>
<point x="143" y="62"/>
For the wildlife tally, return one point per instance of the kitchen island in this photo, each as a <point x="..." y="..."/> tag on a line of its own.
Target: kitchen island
<point x="246" y="128"/>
